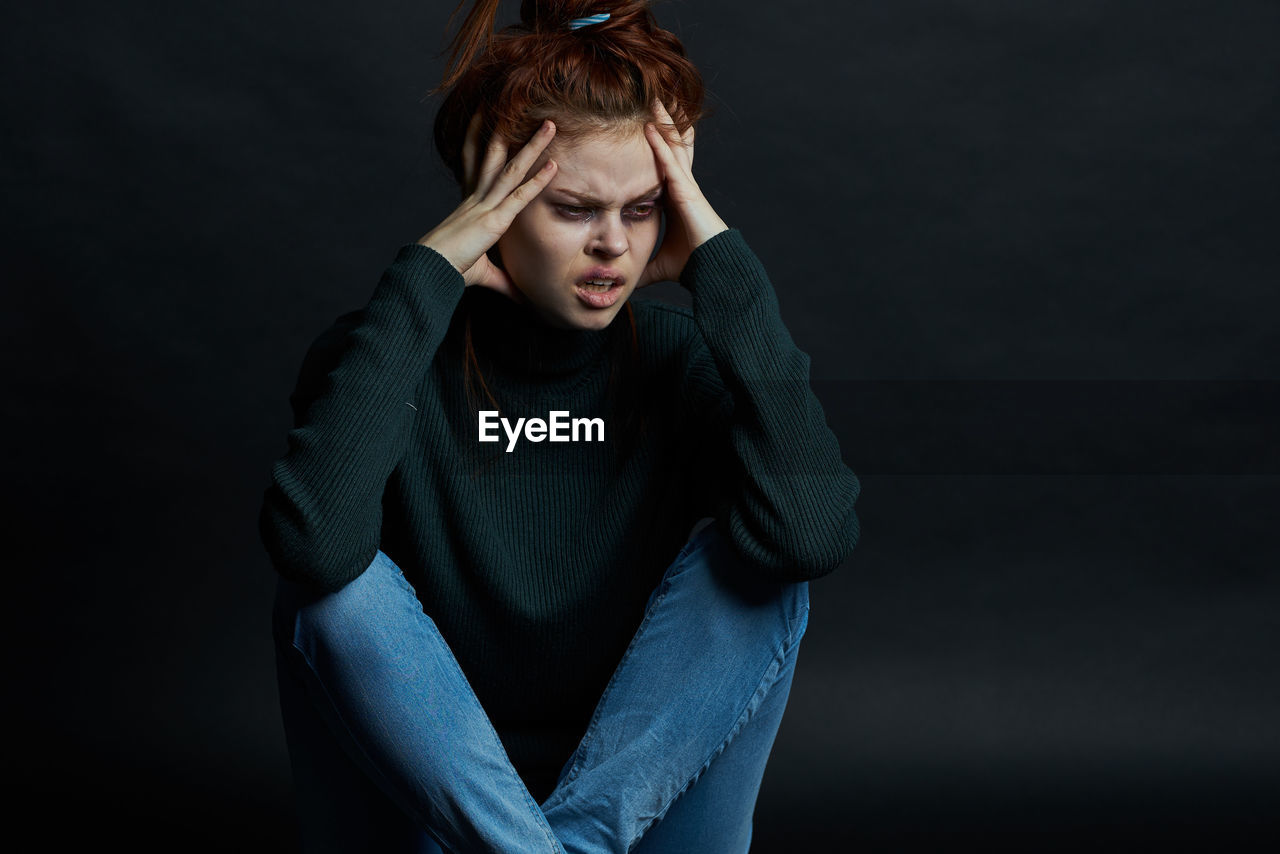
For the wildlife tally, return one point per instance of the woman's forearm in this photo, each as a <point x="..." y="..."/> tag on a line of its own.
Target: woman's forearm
<point x="784" y="488"/>
<point x="321" y="516"/>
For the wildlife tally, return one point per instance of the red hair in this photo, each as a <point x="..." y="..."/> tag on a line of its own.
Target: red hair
<point x="602" y="77"/>
<point x="597" y="77"/>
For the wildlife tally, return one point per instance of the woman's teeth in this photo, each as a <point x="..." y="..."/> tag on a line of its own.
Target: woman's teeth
<point x="596" y="285"/>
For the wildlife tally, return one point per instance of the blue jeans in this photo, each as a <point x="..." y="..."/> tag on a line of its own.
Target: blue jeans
<point x="392" y="751"/>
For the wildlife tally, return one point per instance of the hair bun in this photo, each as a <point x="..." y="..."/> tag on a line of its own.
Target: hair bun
<point x="560" y="15"/>
<point x="596" y="76"/>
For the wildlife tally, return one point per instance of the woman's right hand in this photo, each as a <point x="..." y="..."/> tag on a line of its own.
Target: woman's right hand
<point x="498" y="196"/>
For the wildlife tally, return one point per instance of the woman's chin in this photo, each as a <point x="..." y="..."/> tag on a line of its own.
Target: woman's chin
<point x="580" y="317"/>
<point x="597" y="320"/>
<point x="600" y="318"/>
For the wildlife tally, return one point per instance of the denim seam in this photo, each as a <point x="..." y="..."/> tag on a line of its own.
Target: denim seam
<point x="694" y="545"/>
<point x="589" y="736"/>
<point x="792" y="637"/>
<point x="767" y="680"/>
<point x="452" y="662"/>
<point x="384" y="783"/>
<point x="534" y="809"/>
<point x="555" y="843"/>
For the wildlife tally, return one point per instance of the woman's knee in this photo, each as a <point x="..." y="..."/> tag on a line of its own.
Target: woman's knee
<point x="307" y="617"/>
<point x="711" y="564"/>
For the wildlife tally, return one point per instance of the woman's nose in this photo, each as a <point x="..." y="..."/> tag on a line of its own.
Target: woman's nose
<point x="610" y="237"/>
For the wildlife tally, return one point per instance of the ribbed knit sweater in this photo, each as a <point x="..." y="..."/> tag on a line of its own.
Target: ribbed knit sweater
<point x="536" y="563"/>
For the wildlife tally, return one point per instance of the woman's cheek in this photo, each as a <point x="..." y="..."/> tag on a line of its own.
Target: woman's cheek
<point x="557" y="238"/>
<point x="650" y="233"/>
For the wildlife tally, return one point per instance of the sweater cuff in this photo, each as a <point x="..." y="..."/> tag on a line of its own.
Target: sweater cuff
<point x="412" y="303"/>
<point x="727" y="281"/>
<point x="429" y="272"/>
<point x="722" y="254"/>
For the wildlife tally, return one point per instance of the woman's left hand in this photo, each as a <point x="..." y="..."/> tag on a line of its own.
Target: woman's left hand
<point x="691" y="221"/>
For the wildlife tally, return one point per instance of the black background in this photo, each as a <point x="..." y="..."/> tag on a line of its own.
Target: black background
<point x="1030" y="247"/>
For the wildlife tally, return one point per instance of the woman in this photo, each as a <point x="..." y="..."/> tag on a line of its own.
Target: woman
<point x="503" y="621"/>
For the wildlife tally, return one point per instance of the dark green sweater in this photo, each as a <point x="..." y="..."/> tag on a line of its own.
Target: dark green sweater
<point x="536" y="563"/>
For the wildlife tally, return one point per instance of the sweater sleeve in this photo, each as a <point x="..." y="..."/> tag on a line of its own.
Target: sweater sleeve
<point x="321" y="517"/>
<point x="775" y="478"/>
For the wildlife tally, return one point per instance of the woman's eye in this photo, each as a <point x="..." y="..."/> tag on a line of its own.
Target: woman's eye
<point x="633" y="212"/>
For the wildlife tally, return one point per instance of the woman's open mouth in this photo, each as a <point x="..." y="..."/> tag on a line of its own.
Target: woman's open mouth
<point x="599" y="291"/>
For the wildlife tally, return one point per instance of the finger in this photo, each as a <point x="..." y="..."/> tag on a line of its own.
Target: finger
<point x="684" y="145"/>
<point x="526" y="192"/>
<point x="654" y="271"/>
<point x="470" y="151"/>
<point x="663" y="117"/>
<point x="514" y="172"/>
<point x="495" y="156"/>
<point x="682" y="142"/>
<point x="672" y="170"/>
<point x="663" y="113"/>
<point x="647" y="276"/>
<point x="668" y="109"/>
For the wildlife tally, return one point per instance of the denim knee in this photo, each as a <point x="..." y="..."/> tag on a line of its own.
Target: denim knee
<point x="736" y="583"/>
<point x="308" y="618"/>
<point x="716" y="642"/>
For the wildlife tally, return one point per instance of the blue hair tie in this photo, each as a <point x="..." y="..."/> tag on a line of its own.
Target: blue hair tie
<point x="577" y="23"/>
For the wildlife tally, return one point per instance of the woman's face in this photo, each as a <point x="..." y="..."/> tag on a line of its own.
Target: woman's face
<point x="597" y="220"/>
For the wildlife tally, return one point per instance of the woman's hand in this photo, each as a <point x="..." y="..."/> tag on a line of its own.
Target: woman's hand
<point x="496" y="198"/>
<point x="690" y="219"/>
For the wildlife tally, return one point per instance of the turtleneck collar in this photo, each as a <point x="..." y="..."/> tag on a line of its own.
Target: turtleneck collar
<point x="515" y="338"/>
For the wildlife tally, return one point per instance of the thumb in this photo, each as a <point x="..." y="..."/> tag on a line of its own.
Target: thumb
<point x="490" y="276"/>
<point x="655" y="271"/>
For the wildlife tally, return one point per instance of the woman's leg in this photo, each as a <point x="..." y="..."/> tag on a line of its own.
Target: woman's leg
<point x="677" y="746"/>
<point x="339" y="807"/>
<point x="365" y="669"/>
<point x="715" y="814"/>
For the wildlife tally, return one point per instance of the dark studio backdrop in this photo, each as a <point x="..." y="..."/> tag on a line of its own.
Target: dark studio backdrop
<point x="1029" y="246"/>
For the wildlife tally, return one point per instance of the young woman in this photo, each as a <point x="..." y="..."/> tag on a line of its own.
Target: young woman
<point x="544" y="548"/>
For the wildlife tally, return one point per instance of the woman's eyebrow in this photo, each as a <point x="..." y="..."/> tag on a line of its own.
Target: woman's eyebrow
<point x="587" y="199"/>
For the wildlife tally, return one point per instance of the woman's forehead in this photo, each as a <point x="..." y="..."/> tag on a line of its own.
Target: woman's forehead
<point x="604" y="166"/>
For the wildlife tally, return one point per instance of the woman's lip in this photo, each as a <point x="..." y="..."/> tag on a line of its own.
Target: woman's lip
<point x="601" y="273"/>
<point x="599" y="299"/>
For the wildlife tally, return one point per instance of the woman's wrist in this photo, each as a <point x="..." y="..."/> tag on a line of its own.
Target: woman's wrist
<point x="709" y="231"/>
<point x="432" y="240"/>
